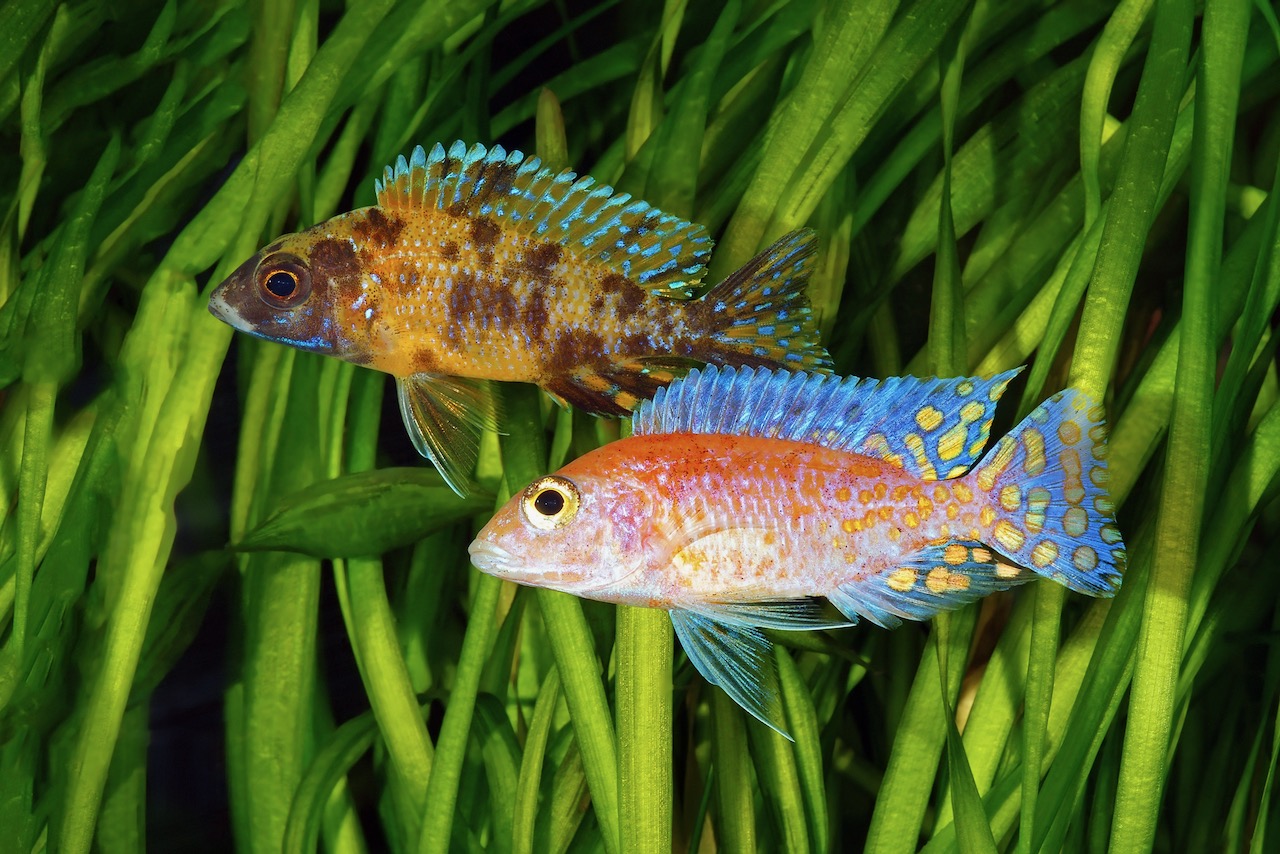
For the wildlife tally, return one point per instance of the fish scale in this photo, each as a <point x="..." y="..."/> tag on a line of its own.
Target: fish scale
<point x="744" y="497"/>
<point x="480" y="265"/>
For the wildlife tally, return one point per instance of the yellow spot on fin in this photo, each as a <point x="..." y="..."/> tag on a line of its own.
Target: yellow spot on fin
<point x="940" y="577"/>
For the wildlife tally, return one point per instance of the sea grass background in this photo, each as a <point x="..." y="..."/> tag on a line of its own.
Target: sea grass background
<point x="1080" y="185"/>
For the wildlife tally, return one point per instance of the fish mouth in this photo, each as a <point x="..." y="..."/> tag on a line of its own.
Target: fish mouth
<point x="490" y="557"/>
<point x="221" y="309"/>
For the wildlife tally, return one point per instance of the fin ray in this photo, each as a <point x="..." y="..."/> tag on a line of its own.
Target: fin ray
<point x="939" y="577"/>
<point x="792" y="615"/>
<point x="736" y="658"/>
<point x="444" y="416"/>
<point x="659" y="252"/>
<point x="933" y="428"/>
<point x="1047" y="482"/>
<point x="763" y="313"/>
<point x="616" y="389"/>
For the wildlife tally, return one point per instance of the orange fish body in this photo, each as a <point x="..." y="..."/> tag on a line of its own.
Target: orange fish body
<point x="477" y="265"/>
<point x="779" y="518"/>
<point x="745" y="496"/>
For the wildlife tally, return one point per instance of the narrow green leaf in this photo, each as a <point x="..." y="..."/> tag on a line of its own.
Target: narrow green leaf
<point x="501" y="754"/>
<point x="529" y="783"/>
<point x="918" y="742"/>
<point x="1144" y="765"/>
<point x="802" y="723"/>
<point x="1114" y="43"/>
<point x="735" y="815"/>
<point x="451" y="746"/>
<point x="328" y="767"/>
<point x="824" y="122"/>
<point x="360" y="514"/>
<point x="645" y="786"/>
<point x="973" y="833"/>
<point x="20" y="22"/>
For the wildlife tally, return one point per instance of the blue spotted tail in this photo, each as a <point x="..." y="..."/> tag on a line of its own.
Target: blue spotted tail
<point x="1047" y="482"/>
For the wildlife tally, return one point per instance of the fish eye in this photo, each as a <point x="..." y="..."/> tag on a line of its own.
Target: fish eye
<point x="283" y="281"/>
<point x="550" y="502"/>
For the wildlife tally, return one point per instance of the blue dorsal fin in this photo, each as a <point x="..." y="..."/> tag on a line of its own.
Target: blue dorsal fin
<point x="659" y="252"/>
<point x="933" y="428"/>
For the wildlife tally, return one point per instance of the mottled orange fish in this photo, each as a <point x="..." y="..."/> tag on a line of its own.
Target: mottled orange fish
<point x="744" y="495"/>
<point x="481" y="265"/>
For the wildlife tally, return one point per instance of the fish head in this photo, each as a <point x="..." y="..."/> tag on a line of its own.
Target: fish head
<point x="585" y="534"/>
<point x="305" y="290"/>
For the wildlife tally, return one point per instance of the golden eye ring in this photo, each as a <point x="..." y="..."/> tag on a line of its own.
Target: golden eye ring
<point x="551" y="502"/>
<point x="283" y="281"/>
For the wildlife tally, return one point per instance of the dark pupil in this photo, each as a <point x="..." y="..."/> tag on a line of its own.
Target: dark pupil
<point x="549" y="502"/>
<point x="282" y="284"/>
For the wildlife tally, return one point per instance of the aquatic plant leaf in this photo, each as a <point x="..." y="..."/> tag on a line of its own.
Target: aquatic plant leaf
<point x="362" y="514"/>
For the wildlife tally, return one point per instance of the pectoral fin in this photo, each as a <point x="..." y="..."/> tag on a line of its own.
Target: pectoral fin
<point x="736" y="657"/>
<point x="444" y="416"/>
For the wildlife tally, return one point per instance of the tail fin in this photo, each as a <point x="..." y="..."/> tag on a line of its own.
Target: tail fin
<point x="760" y="314"/>
<point x="1046" y="482"/>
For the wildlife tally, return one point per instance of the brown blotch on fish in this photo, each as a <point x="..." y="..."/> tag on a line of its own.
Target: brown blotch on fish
<point x="336" y="260"/>
<point x="536" y="315"/>
<point x="474" y="298"/>
<point x="485" y="233"/>
<point x="648" y="224"/>
<point x="539" y="260"/>
<point x="425" y="362"/>
<point x="376" y="229"/>
<point x="630" y="295"/>
<point x="573" y="348"/>
<point x="498" y="179"/>
<point x="449" y="250"/>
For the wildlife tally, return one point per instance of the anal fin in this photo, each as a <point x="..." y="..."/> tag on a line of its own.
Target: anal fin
<point x="939" y="577"/>
<point x="444" y="416"/>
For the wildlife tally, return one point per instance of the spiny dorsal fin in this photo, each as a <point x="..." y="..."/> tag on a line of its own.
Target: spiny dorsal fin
<point x="934" y="428"/>
<point x="659" y="252"/>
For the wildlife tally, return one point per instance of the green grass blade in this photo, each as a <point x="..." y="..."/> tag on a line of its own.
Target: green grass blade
<point x="1114" y="43"/>
<point x="364" y="513"/>
<point x="501" y="754"/>
<point x="802" y="723"/>
<point x="849" y="35"/>
<point x="972" y="830"/>
<point x="918" y="742"/>
<point x="528" y="785"/>
<point x="644" y="650"/>
<point x="328" y="766"/>
<point x="733" y="798"/>
<point x="1143" y="767"/>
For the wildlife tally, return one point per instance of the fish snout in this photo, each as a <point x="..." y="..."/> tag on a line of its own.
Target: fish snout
<point x="221" y="309"/>
<point x="490" y="557"/>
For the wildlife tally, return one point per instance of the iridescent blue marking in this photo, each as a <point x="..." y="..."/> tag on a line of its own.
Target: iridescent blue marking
<point x="847" y="410"/>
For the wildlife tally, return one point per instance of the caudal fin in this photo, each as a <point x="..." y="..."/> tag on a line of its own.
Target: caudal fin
<point x="1047" y="483"/>
<point x="761" y="315"/>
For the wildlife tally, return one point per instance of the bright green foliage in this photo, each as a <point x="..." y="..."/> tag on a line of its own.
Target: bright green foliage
<point x="1081" y="185"/>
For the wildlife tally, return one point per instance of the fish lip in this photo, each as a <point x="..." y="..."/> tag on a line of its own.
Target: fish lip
<point x="489" y="557"/>
<point x="221" y="309"/>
